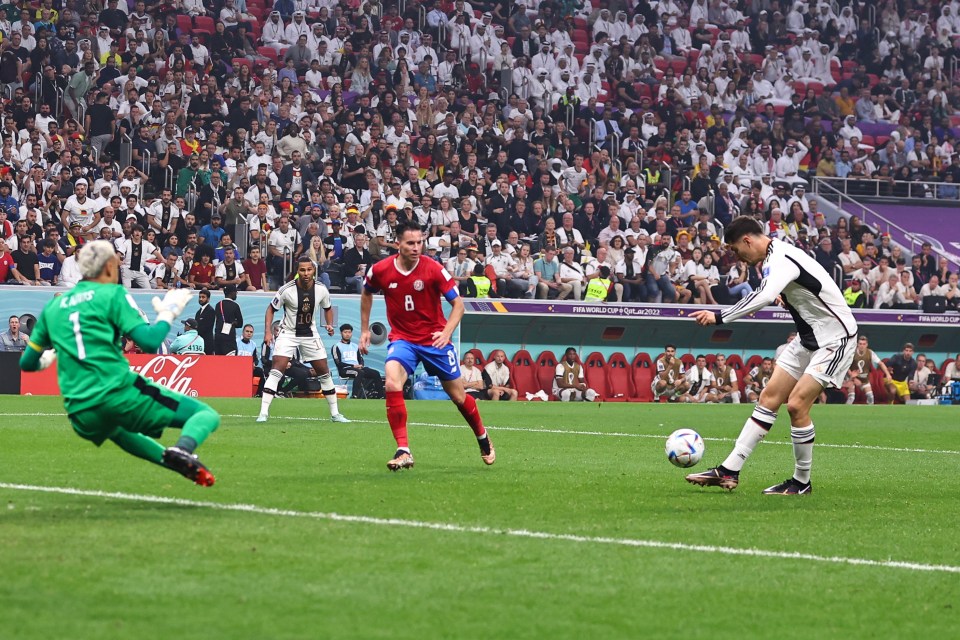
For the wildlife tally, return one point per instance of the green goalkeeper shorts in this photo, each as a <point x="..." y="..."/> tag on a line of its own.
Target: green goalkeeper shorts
<point x="143" y="407"/>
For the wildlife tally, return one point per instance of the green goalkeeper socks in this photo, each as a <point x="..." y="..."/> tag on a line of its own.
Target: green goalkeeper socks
<point x="139" y="445"/>
<point x="198" y="426"/>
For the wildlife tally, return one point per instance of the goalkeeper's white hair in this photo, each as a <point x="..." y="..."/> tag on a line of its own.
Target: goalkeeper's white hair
<point x="94" y="257"/>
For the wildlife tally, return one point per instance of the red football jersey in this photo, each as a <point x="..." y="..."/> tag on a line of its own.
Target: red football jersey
<point x="413" y="299"/>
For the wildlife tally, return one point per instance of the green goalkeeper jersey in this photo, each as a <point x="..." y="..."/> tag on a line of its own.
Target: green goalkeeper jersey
<point x="84" y="326"/>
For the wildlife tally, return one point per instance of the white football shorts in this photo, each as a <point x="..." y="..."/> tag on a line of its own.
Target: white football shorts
<point x="311" y="348"/>
<point x="828" y="365"/>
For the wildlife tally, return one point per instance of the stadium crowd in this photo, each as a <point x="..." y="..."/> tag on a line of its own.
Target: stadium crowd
<point x="549" y="149"/>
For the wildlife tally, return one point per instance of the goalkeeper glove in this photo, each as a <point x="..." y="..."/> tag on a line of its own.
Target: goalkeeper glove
<point x="47" y="358"/>
<point x="172" y="305"/>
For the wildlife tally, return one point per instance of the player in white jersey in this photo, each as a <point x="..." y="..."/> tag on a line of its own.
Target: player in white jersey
<point x="818" y="357"/>
<point x="300" y="299"/>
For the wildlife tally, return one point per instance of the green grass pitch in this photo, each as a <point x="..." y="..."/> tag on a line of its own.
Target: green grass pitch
<point x="565" y="537"/>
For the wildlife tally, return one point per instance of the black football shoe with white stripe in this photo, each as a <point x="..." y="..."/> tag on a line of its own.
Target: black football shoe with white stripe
<point x="791" y="487"/>
<point x="716" y="477"/>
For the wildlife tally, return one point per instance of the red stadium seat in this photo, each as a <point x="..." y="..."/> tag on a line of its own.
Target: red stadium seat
<point x="688" y="360"/>
<point x="800" y="87"/>
<point x="204" y="24"/>
<point x="733" y="360"/>
<point x="595" y="372"/>
<point x="679" y="66"/>
<point x="619" y="388"/>
<point x="478" y="356"/>
<point x="268" y="52"/>
<point x="752" y="361"/>
<point x="735" y="363"/>
<point x="239" y="62"/>
<point x="184" y="23"/>
<point x="711" y="359"/>
<point x="546" y="371"/>
<point x="879" y="389"/>
<point x="642" y="374"/>
<point x="816" y="86"/>
<point x="943" y="367"/>
<point x="868" y="140"/>
<point x="524" y="373"/>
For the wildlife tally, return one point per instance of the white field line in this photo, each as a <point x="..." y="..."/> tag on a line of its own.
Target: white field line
<point x="571" y="432"/>
<point x="489" y="531"/>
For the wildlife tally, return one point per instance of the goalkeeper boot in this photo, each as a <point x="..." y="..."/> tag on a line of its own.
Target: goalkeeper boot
<point x="401" y="460"/>
<point x="716" y="477"/>
<point x="188" y="465"/>
<point x="790" y="487"/>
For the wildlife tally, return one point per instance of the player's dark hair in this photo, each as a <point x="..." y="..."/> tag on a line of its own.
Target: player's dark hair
<point x="768" y="360"/>
<point x="407" y="225"/>
<point x="669" y="346"/>
<point x="305" y="258"/>
<point x="568" y="350"/>
<point x="742" y="226"/>
<point x="346" y="327"/>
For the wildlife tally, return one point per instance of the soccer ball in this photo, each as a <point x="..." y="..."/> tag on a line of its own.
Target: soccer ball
<point x="684" y="448"/>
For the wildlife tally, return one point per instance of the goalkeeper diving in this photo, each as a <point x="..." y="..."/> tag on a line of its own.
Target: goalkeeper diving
<point x="103" y="398"/>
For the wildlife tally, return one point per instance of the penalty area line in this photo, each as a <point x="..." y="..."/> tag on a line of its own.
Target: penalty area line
<point x="488" y="531"/>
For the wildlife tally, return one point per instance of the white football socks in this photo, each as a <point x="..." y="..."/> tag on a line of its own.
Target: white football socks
<point x="754" y="430"/>
<point x="803" y="451"/>
<point x="329" y="392"/>
<point x="269" y="390"/>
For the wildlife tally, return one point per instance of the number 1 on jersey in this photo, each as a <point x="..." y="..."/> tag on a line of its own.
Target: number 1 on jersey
<point x="408" y="303"/>
<point x="75" y="319"/>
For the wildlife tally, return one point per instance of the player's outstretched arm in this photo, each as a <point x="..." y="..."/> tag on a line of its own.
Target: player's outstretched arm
<point x="172" y="305"/>
<point x="36" y="358"/>
<point x="39" y="353"/>
<point x="781" y="274"/>
<point x="149" y="337"/>
<point x="366" y="304"/>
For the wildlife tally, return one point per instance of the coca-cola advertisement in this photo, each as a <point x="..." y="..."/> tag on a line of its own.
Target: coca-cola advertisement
<point x="189" y="374"/>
